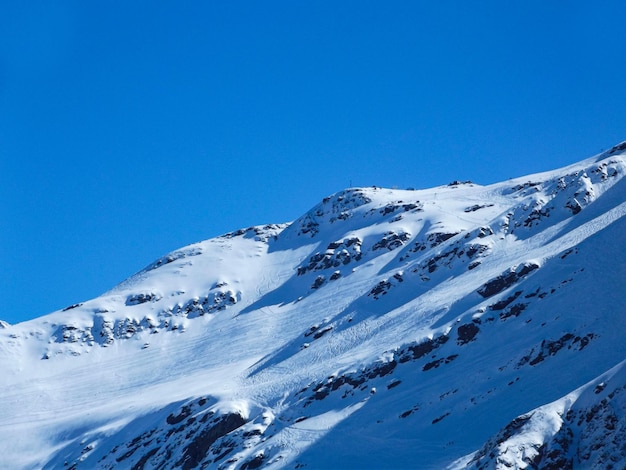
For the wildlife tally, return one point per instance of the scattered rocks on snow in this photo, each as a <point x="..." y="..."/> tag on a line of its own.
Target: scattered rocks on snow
<point x="437" y="362"/>
<point x="550" y="348"/>
<point x="259" y="233"/>
<point x="348" y="381"/>
<point x="502" y="304"/>
<point x="339" y="253"/>
<point x="318" y="331"/>
<point x="506" y="279"/>
<point x="476" y="207"/>
<point x="391" y="241"/>
<point x="143" y="297"/>
<point x="439" y="237"/>
<point x="210" y="303"/>
<point x="617" y="149"/>
<point x="393" y="384"/>
<point x="256" y="462"/>
<point x="590" y="434"/>
<point x="392" y="207"/>
<point x="174" y="256"/>
<point x="467" y="333"/>
<point x="407" y="413"/>
<point x="528" y="184"/>
<point x="338" y="207"/>
<point x="513" y="311"/>
<point x="574" y="206"/>
<point x="336" y="275"/>
<point x="72" y="334"/>
<point x="439" y="418"/>
<point x="484" y="232"/>
<point x="319" y="282"/>
<point x="209" y="437"/>
<point x="308" y="226"/>
<point x="197" y="449"/>
<point x="383" y="286"/>
<point x="417" y="350"/>
<point x="605" y="170"/>
<point x="104" y="331"/>
<point x="447" y="257"/>
<point x="71" y="307"/>
<point x="380" y="289"/>
<point x="198" y="432"/>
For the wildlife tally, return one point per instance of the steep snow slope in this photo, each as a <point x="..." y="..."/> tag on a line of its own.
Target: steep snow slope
<point x="382" y="329"/>
<point x="585" y="429"/>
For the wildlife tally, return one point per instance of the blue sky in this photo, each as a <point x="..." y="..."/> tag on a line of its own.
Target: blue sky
<point x="130" y="129"/>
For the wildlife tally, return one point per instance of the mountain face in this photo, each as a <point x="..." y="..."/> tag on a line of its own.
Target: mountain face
<point x="463" y="326"/>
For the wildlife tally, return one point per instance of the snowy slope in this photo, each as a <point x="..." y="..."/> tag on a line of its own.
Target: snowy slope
<point x="382" y="329"/>
<point x="585" y="429"/>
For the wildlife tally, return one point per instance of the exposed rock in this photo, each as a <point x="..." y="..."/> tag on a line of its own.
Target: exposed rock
<point x="513" y="311"/>
<point x="439" y="237"/>
<point x="590" y="434"/>
<point x="210" y="303"/>
<point x="338" y="253"/>
<point x="392" y="240"/>
<point x="416" y="351"/>
<point x="319" y="282"/>
<point x="574" y="206"/>
<point x="476" y="207"/>
<point x="256" y="462"/>
<point x="143" y="297"/>
<point x="550" y="348"/>
<point x="536" y="215"/>
<point x="619" y="148"/>
<point x="528" y="184"/>
<point x="484" y="232"/>
<point x="502" y="304"/>
<point x="174" y="256"/>
<point x="506" y="279"/>
<point x="467" y="333"/>
<point x="260" y="233"/>
<point x="353" y="380"/>
<point x="436" y="363"/>
<point x="338" y="207"/>
<point x="392" y="207"/>
<point x="309" y="226"/>
<point x="380" y="289"/>
<point x="198" y="448"/>
<point x="436" y="420"/>
<point x="321" y="332"/>
<point x="393" y="384"/>
<point x="71" y="307"/>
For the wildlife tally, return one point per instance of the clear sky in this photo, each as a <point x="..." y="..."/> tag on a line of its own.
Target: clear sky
<point x="130" y="129"/>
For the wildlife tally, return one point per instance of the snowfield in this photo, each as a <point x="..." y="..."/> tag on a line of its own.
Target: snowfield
<point x="462" y="326"/>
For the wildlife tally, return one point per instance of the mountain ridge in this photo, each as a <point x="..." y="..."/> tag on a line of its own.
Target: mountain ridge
<point x="381" y="329"/>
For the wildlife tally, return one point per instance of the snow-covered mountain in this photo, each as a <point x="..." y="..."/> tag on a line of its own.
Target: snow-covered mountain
<point x="459" y="326"/>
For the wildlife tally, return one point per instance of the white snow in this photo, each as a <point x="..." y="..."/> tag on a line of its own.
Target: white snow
<point x="277" y="324"/>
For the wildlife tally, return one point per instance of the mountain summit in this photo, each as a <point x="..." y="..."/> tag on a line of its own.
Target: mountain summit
<point x="462" y="326"/>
